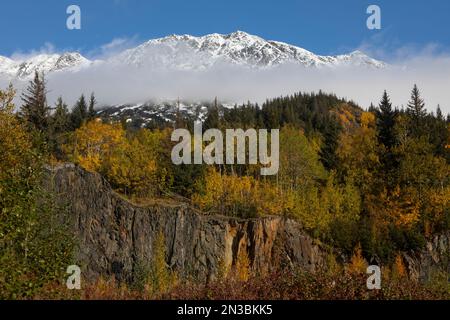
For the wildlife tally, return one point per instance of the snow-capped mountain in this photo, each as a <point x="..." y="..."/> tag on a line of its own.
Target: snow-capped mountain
<point x="186" y="52"/>
<point x="47" y="63"/>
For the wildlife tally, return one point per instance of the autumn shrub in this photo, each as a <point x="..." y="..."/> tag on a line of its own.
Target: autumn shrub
<point x="301" y="285"/>
<point x="241" y="196"/>
<point x="243" y="267"/>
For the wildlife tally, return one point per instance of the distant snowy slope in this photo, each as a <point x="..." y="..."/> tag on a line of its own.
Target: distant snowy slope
<point x="186" y="52"/>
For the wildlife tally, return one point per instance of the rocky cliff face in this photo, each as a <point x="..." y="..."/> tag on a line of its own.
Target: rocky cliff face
<point x="115" y="236"/>
<point x="434" y="258"/>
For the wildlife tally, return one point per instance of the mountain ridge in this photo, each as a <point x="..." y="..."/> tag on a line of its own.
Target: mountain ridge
<point x="187" y="52"/>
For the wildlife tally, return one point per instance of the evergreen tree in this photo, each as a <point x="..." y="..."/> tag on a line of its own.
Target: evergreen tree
<point x="417" y="112"/>
<point x="213" y="118"/>
<point x="59" y="125"/>
<point x="328" y="154"/>
<point x="439" y="114"/>
<point x="92" y="103"/>
<point x="386" y="122"/>
<point x="35" y="110"/>
<point x="439" y="134"/>
<point x="61" y="118"/>
<point x="79" y="113"/>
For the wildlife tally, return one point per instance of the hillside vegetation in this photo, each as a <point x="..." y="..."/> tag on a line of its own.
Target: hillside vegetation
<point x="374" y="182"/>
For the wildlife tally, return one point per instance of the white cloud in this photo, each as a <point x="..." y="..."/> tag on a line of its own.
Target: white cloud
<point x="113" y="48"/>
<point x="429" y="69"/>
<point x="47" y="48"/>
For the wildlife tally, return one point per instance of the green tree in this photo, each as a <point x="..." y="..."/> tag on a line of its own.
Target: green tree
<point x="328" y="154"/>
<point x="213" y="117"/>
<point x="35" y="110"/>
<point x="59" y="126"/>
<point x="79" y="113"/>
<point x="91" y="110"/>
<point x="386" y="122"/>
<point x="61" y="117"/>
<point x="417" y="112"/>
<point x="299" y="160"/>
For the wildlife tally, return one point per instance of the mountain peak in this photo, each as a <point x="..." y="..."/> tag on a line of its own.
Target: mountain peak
<point x="190" y="52"/>
<point x="238" y="34"/>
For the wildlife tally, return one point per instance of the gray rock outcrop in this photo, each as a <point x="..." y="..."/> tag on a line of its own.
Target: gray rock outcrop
<point x="114" y="235"/>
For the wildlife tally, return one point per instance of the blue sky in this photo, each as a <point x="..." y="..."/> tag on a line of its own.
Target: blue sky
<point x="322" y="26"/>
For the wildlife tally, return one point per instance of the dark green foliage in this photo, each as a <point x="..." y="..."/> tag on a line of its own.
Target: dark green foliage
<point x="91" y="111"/>
<point x="60" y="119"/>
<point x="386" y="121"/>
<point x="59" y="126"/>
<point x="439" y="134"/>
<point x="35" y="110"/>
<point x="327" y="153"/>
<point x="187" y="179"/>
<point x="417" y="112"/>
<point x="79" y="113"/>
<point x="213" y="118"/>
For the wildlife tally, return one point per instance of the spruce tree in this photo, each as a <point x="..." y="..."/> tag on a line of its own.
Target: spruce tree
<point x="59" y="125"/>
<point x="91" y="110"/>
<point x="372" y="108"/>
<point x="386" y="122"/>
<point x="328" y="152"/>
<point x="213" y="117"/>
<point x="439" y="114"/>
<point x="35" y="110"/>
<point x="79" y="113"/>
<point x="60" y="119"/>
<point x="439" y="134"/>
<point x="417" y="113"/>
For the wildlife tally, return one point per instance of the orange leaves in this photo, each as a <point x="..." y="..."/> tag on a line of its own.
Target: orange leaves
<point x="399" y="268"/>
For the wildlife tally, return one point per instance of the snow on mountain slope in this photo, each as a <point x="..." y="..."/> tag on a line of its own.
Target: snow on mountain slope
<point x="7" y="66"/>
<point x="22" y="69"/>
<point x="154" y="114"/>
<point x="185" y="52"/>
<point x="240" y="48"/>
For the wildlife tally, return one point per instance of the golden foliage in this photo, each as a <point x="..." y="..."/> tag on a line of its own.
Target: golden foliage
<point x="161" y="278"/>
<point x="132" y="166"/>
<point x="357" y="262"/>
<point x="243" y="265"/>
<point x="399" y="269"/>
<point x="235" y="195"/>
<point x="94" y="142"/>
<point x="358" y="153"/>
<point x="129" y="163"/>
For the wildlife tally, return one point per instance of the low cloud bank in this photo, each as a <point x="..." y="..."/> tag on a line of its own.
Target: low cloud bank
<point x="119" y="84"/>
